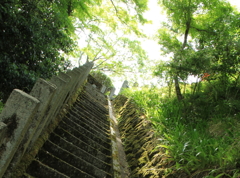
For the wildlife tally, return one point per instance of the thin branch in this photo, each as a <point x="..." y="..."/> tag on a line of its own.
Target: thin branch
<point x="114" y="71"/>
<point x="114" y="6"/>
<point x="118" y="16"/>
<point x="95" y="57"/>
<point x="201" y="30"/>
<point x="81" y="54"/>
<point x="100" y="63"/>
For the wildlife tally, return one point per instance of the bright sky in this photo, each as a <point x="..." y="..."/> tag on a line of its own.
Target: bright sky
<point x="156" y="16"/>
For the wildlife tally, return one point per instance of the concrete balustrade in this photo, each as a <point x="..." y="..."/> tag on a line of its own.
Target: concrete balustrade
<point x="103" y="89"/>
<point x="25" y="116"/>
<point x="43" y="91"/>
<point x="18" y="113"/>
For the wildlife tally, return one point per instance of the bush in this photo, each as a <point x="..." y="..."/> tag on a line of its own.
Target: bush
<point x="1" y="106"/>
<point x="198" y="135"/>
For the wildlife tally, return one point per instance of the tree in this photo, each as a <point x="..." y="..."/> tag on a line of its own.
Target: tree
<point x="32" y="36"/>
<point x="36" y="36"/>
<point x="102" y="78"/>
<point x="105" y="38"/>
<point x="210" y="26"/>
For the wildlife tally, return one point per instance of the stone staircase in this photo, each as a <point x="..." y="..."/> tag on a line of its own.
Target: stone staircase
<point x="80" y="146"/>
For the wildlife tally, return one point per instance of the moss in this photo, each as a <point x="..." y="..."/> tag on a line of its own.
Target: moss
<point x="30" y="156"/>
<point x="138" y="138"/>
<point x="11" y="123"/>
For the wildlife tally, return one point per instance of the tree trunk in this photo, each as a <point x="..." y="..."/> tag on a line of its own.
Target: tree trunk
<point x="177" y="88"/>
<point x="170" y="88"/>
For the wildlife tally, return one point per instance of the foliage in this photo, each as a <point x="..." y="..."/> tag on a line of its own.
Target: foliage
<point x="33" y="35"/>
<point x="200" y="136"/>
<point x="37" y="37"/>
<point x="102" y="78"/>
<point x="108" y="38"/>
<point x="202" y="36"/>
<point x="1" y="106"/>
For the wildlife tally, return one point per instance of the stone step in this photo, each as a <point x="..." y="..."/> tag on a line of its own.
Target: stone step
<point x="92" y="104"/>
<point x="91" y="101"/>
<point x="91" y="119"/>
<point x="102" y="138"/>
<point x="83" y="133"/>
<point x="101" y="119"/>
<point x="38" y="169"/>
<point x="60" y="165"/>
<point x="80" y="146"/>
<point x="89" y="157"/>
<point x="80" y="118"/>
<point x="83" y="161"/>
<point x="81" y="141"/>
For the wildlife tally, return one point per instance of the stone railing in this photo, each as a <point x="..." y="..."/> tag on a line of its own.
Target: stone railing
<point x="137" y="134"/>
<point x="25" y="116"/>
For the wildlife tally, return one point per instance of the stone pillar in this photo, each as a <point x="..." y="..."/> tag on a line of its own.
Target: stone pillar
<point x="3" y="132"/>
<point x="43" y="91"/>
<point x="17" y="114"/>
<point x="112" y="92"/>
<point x="124" y="85"/>
<point x="103" y="89"/>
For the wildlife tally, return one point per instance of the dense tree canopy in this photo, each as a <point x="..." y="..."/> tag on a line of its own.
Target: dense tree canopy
<point x="32" y="36"/>
<point x="202" y="36"/>
<point x="36" y="36"/>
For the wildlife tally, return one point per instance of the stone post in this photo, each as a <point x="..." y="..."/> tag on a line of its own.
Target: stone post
<point x="17" y="114"/>
<point x="124" y="85"/>
<point x="112" y="93"/>
<point x="103" y="89"/>
<point x="43" y="91"/>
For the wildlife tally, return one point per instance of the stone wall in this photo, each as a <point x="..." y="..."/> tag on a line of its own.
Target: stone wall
<point x="139" y="140"/>
<point x="26" y="116"/>
<point x="93" y="81"/>
<point x="77" y="146"/>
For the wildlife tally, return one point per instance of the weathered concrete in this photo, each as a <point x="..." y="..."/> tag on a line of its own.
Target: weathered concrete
<point x="120" y="165"/>
<point x="112" y="92"/>
<point x="43" y="91"/>
<point x="138" y="138"/>
<point x="124" y="85"/>
<point x="80" y="145"/>
<point x="95" y="92"/>
<point x="25" y="118"/>
<point x="56" y="103"/>
<point x="103" y="89"/>
<point x="3" y="132"/>
<point x="70" y="81"/>
<point x="17" y="114"/>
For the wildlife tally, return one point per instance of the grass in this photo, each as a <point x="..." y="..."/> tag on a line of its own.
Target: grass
<point x="196" y="136"/>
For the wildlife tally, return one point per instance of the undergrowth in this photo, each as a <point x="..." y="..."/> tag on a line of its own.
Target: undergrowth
<point x="199" y="135"/>
<point x="1" y="106"/>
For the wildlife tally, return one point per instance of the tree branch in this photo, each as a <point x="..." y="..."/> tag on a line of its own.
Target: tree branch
<point x="100" y="64"/>
<point x="114" y="6"/>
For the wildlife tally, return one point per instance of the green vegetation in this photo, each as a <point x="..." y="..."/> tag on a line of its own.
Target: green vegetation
<point x="1" y="106"/>
<point x="197" y="124"/>
<point x="32" y="34"/>
<point x="202" y="36"/>
<point x="38" y="38"/>
<point x="200" y="135"/>
<point x="102" y="78"/>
